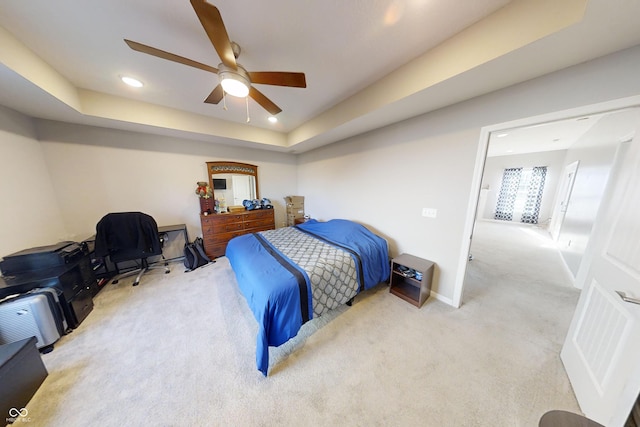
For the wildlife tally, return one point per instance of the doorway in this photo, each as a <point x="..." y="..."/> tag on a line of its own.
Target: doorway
<point x="564" y="197"/>
<point x="617" y="132"/>
<point x="498" y="140"/>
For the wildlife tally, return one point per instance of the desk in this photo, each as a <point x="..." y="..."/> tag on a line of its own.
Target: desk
<point x="176" y="228"/>
<point x="172" y="250"/>
<point x="176" y="248"/>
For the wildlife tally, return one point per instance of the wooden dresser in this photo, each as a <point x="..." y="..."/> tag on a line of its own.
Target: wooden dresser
<point x="218" y="229"/>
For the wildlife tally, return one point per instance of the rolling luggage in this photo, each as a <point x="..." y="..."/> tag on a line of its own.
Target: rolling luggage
<point x="36" y="313"/>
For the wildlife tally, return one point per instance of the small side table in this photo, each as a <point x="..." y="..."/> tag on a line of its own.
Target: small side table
<point x="413" y="286"/>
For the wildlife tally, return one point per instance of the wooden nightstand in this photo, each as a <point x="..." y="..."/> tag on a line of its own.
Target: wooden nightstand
<point x="413" y="285"/>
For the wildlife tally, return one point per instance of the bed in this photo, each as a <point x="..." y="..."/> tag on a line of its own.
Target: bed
<point x="293" y="274"/>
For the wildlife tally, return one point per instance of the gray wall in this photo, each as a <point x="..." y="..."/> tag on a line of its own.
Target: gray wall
<point x="29" y="209"/>
<point x="114" y="170"/>
<point x="384" y="178"/>
<point x="59" y="179"/>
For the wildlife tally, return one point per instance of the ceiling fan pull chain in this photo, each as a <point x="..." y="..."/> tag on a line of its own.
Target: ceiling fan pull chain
<point x="224" y="101"/>
<point x="247" y="101"/>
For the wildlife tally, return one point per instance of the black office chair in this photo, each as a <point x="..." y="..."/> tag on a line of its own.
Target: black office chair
<point x="129" y="236"/>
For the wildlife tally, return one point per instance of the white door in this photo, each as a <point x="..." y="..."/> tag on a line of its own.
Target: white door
<point x="563" y="200"/>
<point x="602" y="350"/>
<point x="242" y="188"/>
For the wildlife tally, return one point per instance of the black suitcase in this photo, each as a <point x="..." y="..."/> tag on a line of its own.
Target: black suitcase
<point x="36" y="313"/>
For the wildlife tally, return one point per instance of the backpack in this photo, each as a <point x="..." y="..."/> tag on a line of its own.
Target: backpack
<point x="194" y="255"/>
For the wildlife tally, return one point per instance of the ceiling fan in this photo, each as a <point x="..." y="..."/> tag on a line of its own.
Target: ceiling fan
<point x="234" y="79"/>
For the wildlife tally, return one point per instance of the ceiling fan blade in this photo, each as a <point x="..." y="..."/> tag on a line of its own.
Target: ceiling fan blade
<point x="278" y="78"/>
<point x="211" y="21"/>
<point x="264" y="102"/>
<point x="169" y="56"/>
<point x="215" y="96"/>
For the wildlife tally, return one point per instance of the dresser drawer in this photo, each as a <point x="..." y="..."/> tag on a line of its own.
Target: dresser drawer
<point x="224" y="218"/>
<point x="207" y="231"/>
<point x="219" y="219"/>
<point x="226" y="228"/>
<point x="263" y="228"/>
<point x="254" y="223"/>
<point x="260" y="214"/>
<point x="225" y="237"/>
<point x="215" y="250"/>
<point x="206" y="219"/>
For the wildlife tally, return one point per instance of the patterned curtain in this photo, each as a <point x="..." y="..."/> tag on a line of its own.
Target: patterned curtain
<point x="508" y="192"/>
<point x="534" y="195"/>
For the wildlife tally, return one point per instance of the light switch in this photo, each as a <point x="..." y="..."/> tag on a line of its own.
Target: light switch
<point x="429" y="212"/>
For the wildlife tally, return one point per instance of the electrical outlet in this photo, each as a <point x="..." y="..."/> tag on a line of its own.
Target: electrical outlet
<point x="429" y="212"/>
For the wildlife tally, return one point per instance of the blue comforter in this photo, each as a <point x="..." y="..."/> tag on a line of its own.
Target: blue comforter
<point x="280" y="292"/>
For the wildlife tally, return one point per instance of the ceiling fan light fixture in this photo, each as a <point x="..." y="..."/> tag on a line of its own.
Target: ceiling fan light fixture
<point x="234" y="87"/>
<point x="233" y="79"/>
<point x="234" y="83"/>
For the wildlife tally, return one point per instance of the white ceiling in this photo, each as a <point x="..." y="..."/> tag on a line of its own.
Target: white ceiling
<point x="595" y="130"/>
<point x="367" y="63"/>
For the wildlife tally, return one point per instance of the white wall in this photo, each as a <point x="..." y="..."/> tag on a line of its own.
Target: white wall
<point x="96" y="170"/>
<point x="29" y="212"/>
<point x="57" y="180"/>
<point x="595" y="151"/>
<point x="495" y="166"/>
<point x="588" y="188"/>
<point x="384" y="178"/>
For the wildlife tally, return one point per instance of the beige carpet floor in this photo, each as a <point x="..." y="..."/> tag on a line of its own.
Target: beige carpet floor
<point x="179" y="350"/>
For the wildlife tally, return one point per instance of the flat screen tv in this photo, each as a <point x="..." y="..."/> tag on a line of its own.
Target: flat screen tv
<point x="219" y="184"/>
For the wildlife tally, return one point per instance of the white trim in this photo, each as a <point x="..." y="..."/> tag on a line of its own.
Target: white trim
<point x="472" y="207"/>
<point x="567" y="268"/>
<point x="441" y="298"/>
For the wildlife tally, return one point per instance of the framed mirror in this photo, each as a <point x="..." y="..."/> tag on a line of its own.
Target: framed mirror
<point x="233" y="182"/>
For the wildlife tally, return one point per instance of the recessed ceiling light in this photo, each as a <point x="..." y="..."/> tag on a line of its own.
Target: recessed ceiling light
<point x="131" y="81"/>
<point x="273" y="119"/>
